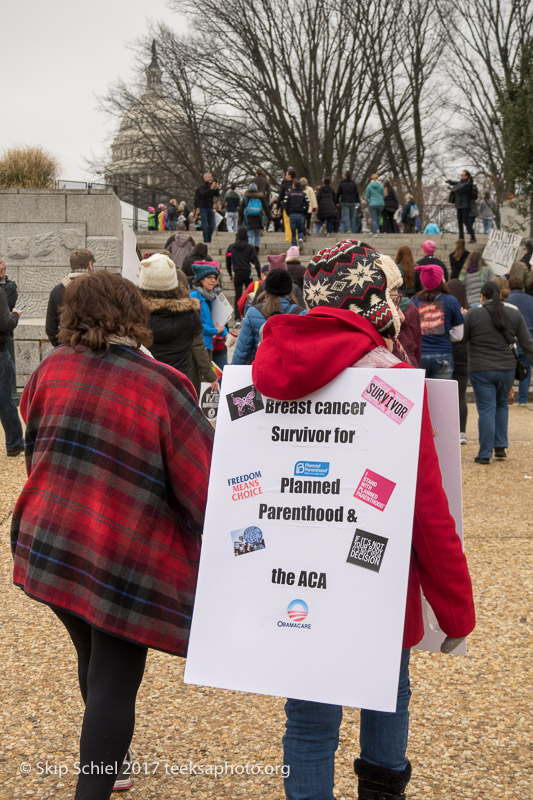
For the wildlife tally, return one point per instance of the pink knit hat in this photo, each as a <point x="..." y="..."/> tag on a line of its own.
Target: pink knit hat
<point x="277" y="262"/>
<point x="429" y="247"/>
<point x="431" y="275"/>
<point x="293" y="254"/>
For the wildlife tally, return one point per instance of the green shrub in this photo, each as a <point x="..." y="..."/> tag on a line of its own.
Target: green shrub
<point x="27" y="168"/>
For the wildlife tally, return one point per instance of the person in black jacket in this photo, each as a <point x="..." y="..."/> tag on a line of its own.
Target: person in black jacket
<point x="172" y="214"/>
<point x="81" y="260"/>
<point x="175" y="319"/>
<point x="462" y="197"/>
<point x="327" y="210"/>
<point x="9" y="416"/>
<point x="348" y="197"/>
<point x="290" y="176"/>
<point x="296" y="205"/>
<point x="240" y="257"/>
<point x="203" y="202"/>
<point x="391" y="206"/>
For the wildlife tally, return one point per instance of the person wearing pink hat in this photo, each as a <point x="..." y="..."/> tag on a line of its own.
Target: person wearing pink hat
<point x="441" y="322"/>
<point x="428" y="248"/>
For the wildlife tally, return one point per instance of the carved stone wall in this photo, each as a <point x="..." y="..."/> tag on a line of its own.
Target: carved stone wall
<point x="38" y="231"/>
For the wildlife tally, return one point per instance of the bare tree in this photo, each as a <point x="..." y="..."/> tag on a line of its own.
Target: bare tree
<point x="485" y="42"/>
<point x="293" y="76"/>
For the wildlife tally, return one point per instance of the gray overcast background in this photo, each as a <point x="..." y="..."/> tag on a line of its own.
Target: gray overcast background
<point x="57" y="57"/>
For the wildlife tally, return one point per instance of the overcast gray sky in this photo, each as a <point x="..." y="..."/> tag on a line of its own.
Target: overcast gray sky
<point x="57" y="57"/>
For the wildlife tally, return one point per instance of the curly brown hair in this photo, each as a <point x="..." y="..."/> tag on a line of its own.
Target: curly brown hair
<point x="100" y="305"/>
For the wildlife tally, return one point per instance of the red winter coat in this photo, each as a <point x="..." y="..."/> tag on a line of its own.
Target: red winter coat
<point x="109" y="522"/>
<point x="300" y="354"/>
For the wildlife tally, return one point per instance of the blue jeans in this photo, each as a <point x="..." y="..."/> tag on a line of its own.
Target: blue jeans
<point x="231" y="221"/>
<point x="297" y="222"/>
<point x="491" y="390"/>
<point x="349" y="219"/>
<point x="523" y="386"/>
<point x="375" y="214"/>
<point x="207" y="216"/>
<point x="173" y="225"/>
<point x="9" y="415"/>
<point x="254" y="236"/>
<point x="488" y="224"/>
<point x="438" y="365"/>
<point x="312" y="737"/>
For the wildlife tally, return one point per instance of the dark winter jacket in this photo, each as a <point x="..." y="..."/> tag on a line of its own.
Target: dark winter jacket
<point x="239" y="259"/>
<point x="296" y="201"/>
<point x="297" y="271"/>
<point x="199" y="253"/>
<point x="463" y="192"/>
<point x="204" y="196"/>
<point x="347" y="192"/>
<point x="326" y="202"/>
<point x="174" y="323"/>
<point x="285" y="186"/>
<point x="10" y="288"/>
<point x="231" y="201"/>
<point x="487" y="347"/>
<point x="456" y="264"/>
<point x="55" y="301"/>
<point x="391" y="199"/>
<point x="253" y="222"/>
<point x="8" y="320"/>
<point x="172" y="213"/>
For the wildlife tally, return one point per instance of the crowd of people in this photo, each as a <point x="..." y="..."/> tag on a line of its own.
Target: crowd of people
<point x="107" y="529"/>
<point x="300" y="209"/>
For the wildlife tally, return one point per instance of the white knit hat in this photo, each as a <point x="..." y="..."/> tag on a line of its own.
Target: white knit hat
<point x="158" y="274"/>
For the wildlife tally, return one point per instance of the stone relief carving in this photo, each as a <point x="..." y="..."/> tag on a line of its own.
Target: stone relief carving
<point x="107" y="250"/>
<point x="18" y="247"/>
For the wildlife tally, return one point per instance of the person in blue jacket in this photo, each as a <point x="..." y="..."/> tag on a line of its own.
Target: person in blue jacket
<point x="276" y="298"/>
<point x="206" y="274"/>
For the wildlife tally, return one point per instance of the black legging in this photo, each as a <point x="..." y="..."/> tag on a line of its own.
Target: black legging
<point x="240" y="281"/>
<point x="110" y="671"/>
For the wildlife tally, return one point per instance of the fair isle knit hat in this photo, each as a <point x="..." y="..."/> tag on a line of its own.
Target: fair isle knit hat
<point x="353" y="276"/>
<point x="158" y="274"/>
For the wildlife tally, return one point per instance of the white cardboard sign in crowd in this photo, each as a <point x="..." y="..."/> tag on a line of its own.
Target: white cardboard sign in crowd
<point x="307" y="538"/>
<point x="500" y="250"/>
<point x="444" y="411"/>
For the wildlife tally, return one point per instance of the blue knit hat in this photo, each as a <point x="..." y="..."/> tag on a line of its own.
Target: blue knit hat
<point x="201" y="269"/>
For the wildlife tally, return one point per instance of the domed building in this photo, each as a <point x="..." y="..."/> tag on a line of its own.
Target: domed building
<point x="134" y="170"/>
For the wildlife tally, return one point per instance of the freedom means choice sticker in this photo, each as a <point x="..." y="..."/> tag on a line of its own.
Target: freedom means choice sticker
<point x="390" y="401"/>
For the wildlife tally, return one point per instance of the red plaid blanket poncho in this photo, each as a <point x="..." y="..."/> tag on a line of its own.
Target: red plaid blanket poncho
<point x="108" y="524"/>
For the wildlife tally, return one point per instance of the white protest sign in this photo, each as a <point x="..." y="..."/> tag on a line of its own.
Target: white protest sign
<point x="218" y="219"/>
<point x="443" y="401"/>
<point x="500" y="250"/>
<point x="208" y="401"/>
<point x="307" y="540"/>
<point x="131" y="265"/>
<point x="221" y="309"/>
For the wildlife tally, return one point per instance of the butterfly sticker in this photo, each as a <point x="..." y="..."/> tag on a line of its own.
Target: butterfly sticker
<point x="244" y="401"/>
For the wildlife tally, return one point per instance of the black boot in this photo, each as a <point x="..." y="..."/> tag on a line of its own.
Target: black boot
<point x="379" y="783"/>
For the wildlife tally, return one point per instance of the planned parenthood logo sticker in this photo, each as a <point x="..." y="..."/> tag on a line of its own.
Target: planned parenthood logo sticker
<point x="244" y="402"/>
<point x="312" y="469"/>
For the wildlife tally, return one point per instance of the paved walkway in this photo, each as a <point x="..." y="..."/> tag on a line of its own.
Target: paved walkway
<point x="471" y="717"/>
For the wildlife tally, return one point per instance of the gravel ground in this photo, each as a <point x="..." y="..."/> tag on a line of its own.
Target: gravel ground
<point x="471" y="724"/>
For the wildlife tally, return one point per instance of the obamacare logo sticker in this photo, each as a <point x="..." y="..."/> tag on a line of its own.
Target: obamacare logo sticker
<point x="297" y="610"/>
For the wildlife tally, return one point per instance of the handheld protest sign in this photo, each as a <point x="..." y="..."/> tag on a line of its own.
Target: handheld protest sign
<point x="307" y="539"/>
<point x="443" y="402"/>
<point x="208" y="401"/>
<point x="500" y="250"/>
<point x="221" y="310"/>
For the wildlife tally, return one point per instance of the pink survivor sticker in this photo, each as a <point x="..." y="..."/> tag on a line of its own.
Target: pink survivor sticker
<point x="374" y="489"/>
<point x="393" y="404"/>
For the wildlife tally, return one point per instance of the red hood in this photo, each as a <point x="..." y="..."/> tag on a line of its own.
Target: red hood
<point x="300" y="354"/>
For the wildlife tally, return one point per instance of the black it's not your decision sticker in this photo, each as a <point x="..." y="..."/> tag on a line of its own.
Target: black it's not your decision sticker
<point x="367" y="550"/>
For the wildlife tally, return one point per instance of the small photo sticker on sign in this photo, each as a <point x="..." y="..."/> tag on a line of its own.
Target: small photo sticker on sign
<point x="244" y="402"/>
<point x="367" y="550"/>
<point x="388" y="400"/>
<point x="247" y="540"/>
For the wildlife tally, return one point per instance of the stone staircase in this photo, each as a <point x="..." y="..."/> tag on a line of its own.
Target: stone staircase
<point x="274" y="244"/>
